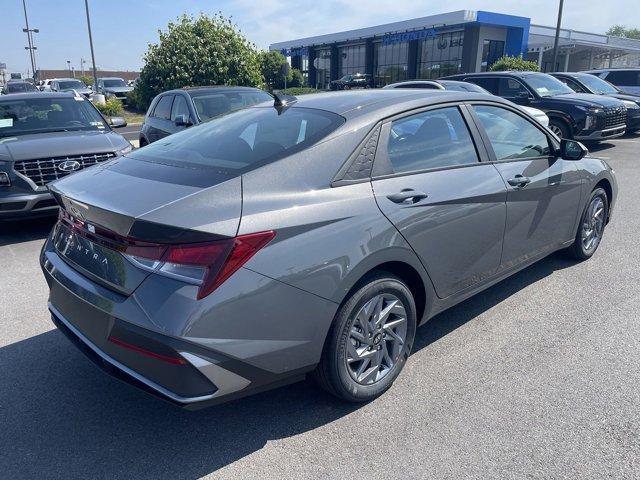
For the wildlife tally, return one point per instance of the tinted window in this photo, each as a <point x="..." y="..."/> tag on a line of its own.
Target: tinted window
<point x="70" y="84"/>
<point x="210" y="104"/>
<point x="597" y="85"/>
<point x="572" y="84"/>
<point x="19" y="87"/>
<point x="418" y="85"/>
<point x="179" y="107"/>
<point x="46" y="114"/>
<point x="433" y="139"/>
<point x="163" y="108"/>
<point x="546" y="85"/>
<point x="626" y="78"/>
<point x="462" y="86"/>
<point x="511" y="88"/>
<point x="511" y="135"/>
<point x="490" y="84"/>
<point x="114" y="82"/>
<point x="244" y="139"/>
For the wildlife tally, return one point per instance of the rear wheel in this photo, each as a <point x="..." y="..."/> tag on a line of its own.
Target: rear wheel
<point x="560" y="128"/>
<point x="370" y="340"/>
<point x="592" y="224"/>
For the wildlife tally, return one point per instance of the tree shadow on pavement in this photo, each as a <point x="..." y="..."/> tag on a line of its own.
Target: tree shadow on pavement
<point x="63" y="418"/>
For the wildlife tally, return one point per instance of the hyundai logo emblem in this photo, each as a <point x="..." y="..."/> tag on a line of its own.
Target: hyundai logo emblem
<point x="69" y="166"/>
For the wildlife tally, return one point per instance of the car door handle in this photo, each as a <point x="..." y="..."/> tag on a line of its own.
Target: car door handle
<point x="407" y="196"/>
<point x="519" y="181"/>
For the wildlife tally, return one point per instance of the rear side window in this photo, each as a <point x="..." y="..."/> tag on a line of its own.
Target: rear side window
<point x="625" y="78"/>
<point x="511" y="88"/>
<point x="434" y="139"/>
<point x="488" y="83"/>
<point x="512" y="136"/>
<point x="163" y="108"/>
<point x="243" y="140"/>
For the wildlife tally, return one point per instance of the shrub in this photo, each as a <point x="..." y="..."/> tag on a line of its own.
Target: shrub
<point x="514" y="63"/>
<point x="86" y="79"/>
<point x="198" y="51"/>
<point x="111" y="108"/>
<point x="300" y="90"/>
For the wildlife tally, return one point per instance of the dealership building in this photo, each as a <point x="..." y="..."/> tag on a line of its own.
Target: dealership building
<point x="456" y="42"/>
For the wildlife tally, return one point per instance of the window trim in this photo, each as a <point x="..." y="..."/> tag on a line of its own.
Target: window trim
<point x="493" y="159"/>
<point x="188" y="103"/>
<point x="382" y="167"/>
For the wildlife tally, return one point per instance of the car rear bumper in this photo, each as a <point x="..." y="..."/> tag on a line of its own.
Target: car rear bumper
<point x="603" y="134"/>
<point x="27" y="206"/>
<point x="109" y="328"/>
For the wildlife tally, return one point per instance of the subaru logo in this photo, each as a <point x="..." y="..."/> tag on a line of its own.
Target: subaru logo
<point x="69" y="166"/>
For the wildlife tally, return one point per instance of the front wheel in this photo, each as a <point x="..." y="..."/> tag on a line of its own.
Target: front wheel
<point x="369" y="341"/>
<point x="560" y="128"/>
<point x="592" y="224"/>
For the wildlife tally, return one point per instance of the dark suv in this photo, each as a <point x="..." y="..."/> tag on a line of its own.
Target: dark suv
<point x="586" y="83"/>
<point x="357" y="80"/>
<point x="176" y="110"/>
<point x="626" y="79"/>
<point x="579" y="116"/>
<point x="45" y="136"/>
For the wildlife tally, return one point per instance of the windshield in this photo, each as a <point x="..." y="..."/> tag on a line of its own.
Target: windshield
<point x="114" y="82"/>
<point x="546" y="85"/>
<point x="210" y="104"/>
<point x="41" y="115"/>
<point x="597" y="85"/>
<point x="242" y="140"/>
<point x="71" y="84"/>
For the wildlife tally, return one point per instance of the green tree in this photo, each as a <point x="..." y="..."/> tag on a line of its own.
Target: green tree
<point x="507" y="62"/>
<point x="622" y="31"/>
<point x="197" y="51"/>
<point x="271" y="63"/>
<point x="87" y="80"/>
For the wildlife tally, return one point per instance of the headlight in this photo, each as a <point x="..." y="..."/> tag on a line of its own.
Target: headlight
<point x="125" y="150"/>
<point x="631" y="105"/>
<point x="590" y="110"/>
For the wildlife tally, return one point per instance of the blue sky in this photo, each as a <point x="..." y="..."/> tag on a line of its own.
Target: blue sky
<point x="122" y="29"/>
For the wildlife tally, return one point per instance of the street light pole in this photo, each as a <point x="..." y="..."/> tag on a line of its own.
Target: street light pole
<point x="557" y="39"/>
<point x="29" y="32"/>
<point x="93" y="57"/>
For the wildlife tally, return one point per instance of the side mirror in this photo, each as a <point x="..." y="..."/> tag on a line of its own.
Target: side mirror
<point x="117" y="122"/>
<point x="572" y="150"/>
<point x="183" y="121"/>
<point x="523" y="98"/>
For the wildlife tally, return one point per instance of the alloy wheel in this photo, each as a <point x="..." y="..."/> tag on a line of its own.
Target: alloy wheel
<point x="593" y="224"/>
<point x="557" y="130"/>
<point x="377" y="335"/>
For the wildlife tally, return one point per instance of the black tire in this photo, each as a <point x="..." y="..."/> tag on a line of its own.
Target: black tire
<point x="578" y="250"/>
<point x="560" y="128"/>
<point x="332" y="373"/>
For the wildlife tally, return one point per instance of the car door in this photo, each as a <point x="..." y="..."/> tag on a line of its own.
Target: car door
<point x="160" y="124"/>
<point x="543" y="189"/>
<point x="429" y="182"/>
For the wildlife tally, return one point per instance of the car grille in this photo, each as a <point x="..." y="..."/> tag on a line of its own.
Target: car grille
<point x="45" y="170"/>
<point x="615" y="117"/>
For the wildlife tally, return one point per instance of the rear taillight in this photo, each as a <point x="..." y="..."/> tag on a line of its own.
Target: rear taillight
<point x="207" y="265"/>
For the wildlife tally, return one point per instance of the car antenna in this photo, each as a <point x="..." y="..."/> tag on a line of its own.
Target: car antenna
<point x="282" y="101"/>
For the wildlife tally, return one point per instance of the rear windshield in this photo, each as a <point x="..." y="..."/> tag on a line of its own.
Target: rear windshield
<point x="46" y="114"/>
<point x="210" y="104"/>
<point x="18" y="87"/>
<point x="114" y="82"/>
<point x="242" y="140"/>
<point x="70" y="84"/>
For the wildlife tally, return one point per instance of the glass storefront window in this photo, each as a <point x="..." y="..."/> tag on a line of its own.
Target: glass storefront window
<point x="492" y="50"/>
<point x="352" y="59"/>
<point x="390" y="63"/>
<point x="440" y="56"/>
<point x="323" y="68"/>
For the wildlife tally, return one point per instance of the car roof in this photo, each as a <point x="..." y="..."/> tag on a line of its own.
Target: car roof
<point x="602" y="70"/>
<point x="352" y="104"/>
<point x="218" y="88"/>
<point x="38" y="94"/>
<point x="513" y="73"/>
<point x="110" y="78"/>
<point x="66" y="79"/>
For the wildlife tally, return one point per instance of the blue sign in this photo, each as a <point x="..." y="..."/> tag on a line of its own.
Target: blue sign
<point x="295" y="52"/>
<point x="391" y="38"/>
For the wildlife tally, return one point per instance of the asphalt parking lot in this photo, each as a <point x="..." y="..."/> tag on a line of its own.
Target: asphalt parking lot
<point x="537" y="377"/>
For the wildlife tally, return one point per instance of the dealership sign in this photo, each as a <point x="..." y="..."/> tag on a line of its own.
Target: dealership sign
<point x="295" y="52"/>
<point x="425" y="34"/>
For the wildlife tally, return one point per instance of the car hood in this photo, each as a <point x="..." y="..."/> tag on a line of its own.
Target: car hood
<point x="624" y="96"/>
<point x="586" y="100"/>
<point x="118" y="89"/>
<point x="60" y="144"/>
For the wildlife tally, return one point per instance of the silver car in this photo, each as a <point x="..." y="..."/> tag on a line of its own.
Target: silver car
<point x="309" y="237"/>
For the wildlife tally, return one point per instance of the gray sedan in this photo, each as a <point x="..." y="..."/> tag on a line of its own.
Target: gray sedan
<point x="310" y="237"/>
